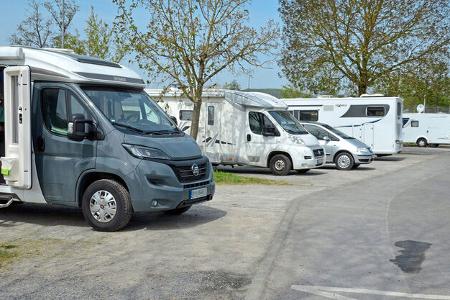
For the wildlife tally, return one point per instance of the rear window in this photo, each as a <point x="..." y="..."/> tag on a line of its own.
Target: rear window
<point x="306" y="115"/>
<point x="375" y="111"/>
<point x="414" y="123"/>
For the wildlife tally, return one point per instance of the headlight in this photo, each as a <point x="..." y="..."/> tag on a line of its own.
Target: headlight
<point x="145" y="152"/>
<point x="296" y="139"/>
<point x="364" y="150"/>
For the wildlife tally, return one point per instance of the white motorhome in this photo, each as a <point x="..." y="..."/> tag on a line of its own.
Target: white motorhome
<point x="242" y="128"/>
<point x="426" y="129"/>
<point x="81" y="132"/>
<point x="374" y="120"/>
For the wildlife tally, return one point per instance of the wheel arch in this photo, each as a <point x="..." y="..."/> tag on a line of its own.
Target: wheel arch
<point x="87" y="178"/>
<point x="273" y="153"/>
<point x="342" y="151"/>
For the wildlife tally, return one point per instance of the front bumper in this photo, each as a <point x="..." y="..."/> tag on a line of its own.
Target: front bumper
<point x="363" y="158"/>
<point x="157" y="187"/>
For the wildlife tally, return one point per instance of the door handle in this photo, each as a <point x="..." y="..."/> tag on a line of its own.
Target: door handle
<point x="249" y="137"/>
<point x="40" y="144"/>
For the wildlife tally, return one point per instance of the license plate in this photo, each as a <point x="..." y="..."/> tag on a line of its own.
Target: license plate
<point x="198" y="193"/>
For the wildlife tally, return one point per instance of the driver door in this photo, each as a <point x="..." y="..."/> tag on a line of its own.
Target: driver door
<point x="256" y="143"/>
<point x="59" y="160"/>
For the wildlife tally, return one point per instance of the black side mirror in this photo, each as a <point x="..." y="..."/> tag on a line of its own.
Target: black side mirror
<point x="270" y="131"/>
<point x="174" y="120"/>
<point x="77" y="128"/>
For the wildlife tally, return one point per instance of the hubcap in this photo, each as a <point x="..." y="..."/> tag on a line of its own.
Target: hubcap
<point x="422" y="143"/>
<point x="103" y="206"/>
<point x="279" y="165"/>
<point x="344" y="161"/>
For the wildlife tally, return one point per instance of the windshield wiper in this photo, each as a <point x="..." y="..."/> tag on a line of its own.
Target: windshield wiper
<point x="162" y="132"/>
<point x="128" y="127"/>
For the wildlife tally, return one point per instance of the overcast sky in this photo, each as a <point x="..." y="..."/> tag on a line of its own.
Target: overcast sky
<point x="260" y="12"/>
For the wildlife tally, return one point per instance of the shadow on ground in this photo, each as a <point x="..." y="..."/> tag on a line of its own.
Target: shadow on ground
<point x="46" y="215"/>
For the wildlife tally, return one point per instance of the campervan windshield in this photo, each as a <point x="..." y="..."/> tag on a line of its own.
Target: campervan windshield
<point x="132" y="110"/>
<point x="288" y="122"/>
<point x="338" y="133"/>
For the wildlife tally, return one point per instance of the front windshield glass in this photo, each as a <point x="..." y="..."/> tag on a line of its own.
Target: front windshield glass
<point x="132" y="110"/>
<point x="288" y="122"/>
<point x="337" y="132"/>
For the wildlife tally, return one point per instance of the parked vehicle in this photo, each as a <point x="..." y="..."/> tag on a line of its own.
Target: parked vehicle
<point x="374" y="120"/>
<point x="344" y="151"/>
<point x="241" y="128"/>
<point x="426" y="129"/>
<point x="82" y="132"/>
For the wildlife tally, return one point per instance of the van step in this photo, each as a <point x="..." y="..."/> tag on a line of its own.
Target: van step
<point x="8" y="203"/>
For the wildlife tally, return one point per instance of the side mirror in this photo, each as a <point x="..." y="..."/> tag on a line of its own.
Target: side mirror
<point x="326" y="138"/>
<point x="270" y="131"/>
<point x="174" y="119"/>
<point x="76" y="130"/>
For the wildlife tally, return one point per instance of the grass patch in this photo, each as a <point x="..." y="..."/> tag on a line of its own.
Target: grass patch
<point x="7" y="253"/>
<point x="221" y="177"/>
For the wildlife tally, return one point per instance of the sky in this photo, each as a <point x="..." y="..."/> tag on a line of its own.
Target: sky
<point x="260" y="12"/>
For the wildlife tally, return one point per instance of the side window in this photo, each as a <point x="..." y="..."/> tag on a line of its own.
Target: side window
<point x="54" y="110"/>
<point x="255" y="122"/>
<point x="405" y="121"/>
<point x="320" y="133"/>
<point x="186" y="115"/>
<point x="308" y="115"/>
<point x="399" y="109"/>
<point x="76" y="108"/>
<point x="414" y="123"/>
<point x="375" y="111"/>
<point x="210" y="115"/>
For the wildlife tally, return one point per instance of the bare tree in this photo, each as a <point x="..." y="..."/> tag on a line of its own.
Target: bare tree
<point x="333" y="44"/>
<point x="189" y="42"/>
<point x="62" y="12"/>
<point x="35" y="30"/>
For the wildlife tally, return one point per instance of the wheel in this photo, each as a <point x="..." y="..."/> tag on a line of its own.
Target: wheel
<point x="280" y="165"/>
<point x="422" y="142"/>
<point x="106" y="205"/>
<point x="344" y="161"/>
<point x="355" y="166"/>
<point x="302" y="171"/>
<point x="178" y="211"/>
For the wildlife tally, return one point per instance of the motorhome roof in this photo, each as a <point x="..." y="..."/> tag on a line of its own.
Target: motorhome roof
<point x="64" y="65"/>
<point x="251" y="99"/>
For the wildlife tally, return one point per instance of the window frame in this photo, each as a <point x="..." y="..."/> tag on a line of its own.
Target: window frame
<point x="375" y="107"/>
<point x="182" y="111"/>
<point x="413" y="122"/>
<point x="211" y="112"/>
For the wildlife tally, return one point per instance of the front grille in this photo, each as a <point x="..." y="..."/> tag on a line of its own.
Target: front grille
<point x="186" y="174"/>
<point x="197" y="184"/>
<point x="318" y="152"/>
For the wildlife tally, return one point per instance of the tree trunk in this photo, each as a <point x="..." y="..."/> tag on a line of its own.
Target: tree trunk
<point x="196" y="117"/>
<point x="362" y="88"/>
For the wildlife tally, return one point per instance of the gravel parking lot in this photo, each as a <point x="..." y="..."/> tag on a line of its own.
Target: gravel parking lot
<point x="327" y="228"/>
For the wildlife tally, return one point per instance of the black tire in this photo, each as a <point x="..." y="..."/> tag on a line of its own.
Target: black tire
<point x="123" y="211"/>
<point x="302" y="171"/>
<point x="280" y="165"/>
<point x="355" y="166"/>
<point x="421" y="142"/>
<point x="344" y="161"/>
<point x="178" y="211"/>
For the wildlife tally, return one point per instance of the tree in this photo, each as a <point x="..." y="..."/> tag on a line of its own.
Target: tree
<point x="349" y="44"/>
<point x="62" y="12"/>
<point x="188" y="42"/>
<point x="291" y="92"/>
<point x="233" y="85"/>
<point x="101" y="40"/>
<point x="35" y="30"/>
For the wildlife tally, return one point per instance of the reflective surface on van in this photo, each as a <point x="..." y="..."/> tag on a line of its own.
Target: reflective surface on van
<point x="288" y="122"/>
<point x="131" y="110"/>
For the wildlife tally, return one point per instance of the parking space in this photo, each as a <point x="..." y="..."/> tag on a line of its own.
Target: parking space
<point x="250" y="241"/>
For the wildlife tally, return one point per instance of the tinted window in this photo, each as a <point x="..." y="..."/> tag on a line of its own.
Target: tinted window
<point x="405" y="120"/>
<point x="319" y="132"/>
<point x="54" y="110"/>
<point x="186" y="115"/>
<point x="414" y="123"/>
<point x="399" y="109"/>
<point x="257" y="121"/>
<point x="375" y="111"/>
<point x="210" y="115"/>
<point x="306" y="115"/>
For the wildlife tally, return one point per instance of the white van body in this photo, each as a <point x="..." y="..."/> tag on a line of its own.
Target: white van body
<point x="225" y="135"/>
<point x="426" y="128"/>
<point x="375" y="121"/>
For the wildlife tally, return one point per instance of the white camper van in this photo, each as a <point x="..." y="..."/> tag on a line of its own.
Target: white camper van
<point x="426" y="129"/>
<point x="240" y="128"/>
<point x="81" y="132"/>
<point x="374" y="120"/>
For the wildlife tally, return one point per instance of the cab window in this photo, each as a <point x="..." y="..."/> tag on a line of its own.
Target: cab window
<point x="257" y="121"/>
